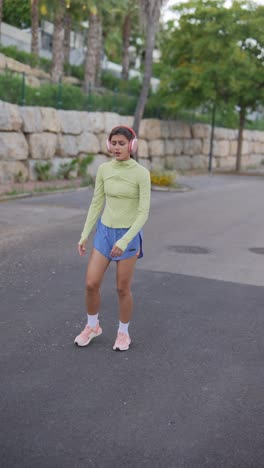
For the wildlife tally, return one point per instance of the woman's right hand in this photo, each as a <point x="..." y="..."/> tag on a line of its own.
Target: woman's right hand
<point x="82" y="248"/>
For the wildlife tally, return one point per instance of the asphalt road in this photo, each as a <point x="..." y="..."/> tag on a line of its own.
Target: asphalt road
<point x="189" y="392"/>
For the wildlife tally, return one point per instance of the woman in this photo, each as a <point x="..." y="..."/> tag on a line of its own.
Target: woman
<point x="124" y="186"/>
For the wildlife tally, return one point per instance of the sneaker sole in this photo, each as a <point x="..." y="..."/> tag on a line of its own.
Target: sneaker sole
<point x="115" y="348"/>
<point x="90" y="339"/>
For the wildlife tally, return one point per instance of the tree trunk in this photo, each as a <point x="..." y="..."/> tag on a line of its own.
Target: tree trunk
<point x="67" y="37"/>
<point x="242" y="119"/>
<point x="125" y="56"/>
<point x="150" y="42"/>
<point x="99" y="54"/>
<point x="57" y="44"/>
<point x="91" y="54"/>
<point x="1" y="16"/>
<point x="34" y="27"/>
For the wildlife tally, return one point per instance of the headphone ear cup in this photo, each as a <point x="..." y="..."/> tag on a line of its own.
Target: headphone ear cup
<point x="133" y="145"/>
<point x="108" y="145"/>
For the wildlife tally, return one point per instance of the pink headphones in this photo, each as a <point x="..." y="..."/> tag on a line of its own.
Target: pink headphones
<point x="133" y="144"/>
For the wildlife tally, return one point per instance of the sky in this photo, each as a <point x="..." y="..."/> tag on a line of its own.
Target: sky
<point x="167" y="15"/>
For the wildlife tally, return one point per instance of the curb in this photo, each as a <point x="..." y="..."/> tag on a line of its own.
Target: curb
<point x="4" y="198"/>
<point x="182" y="188"/>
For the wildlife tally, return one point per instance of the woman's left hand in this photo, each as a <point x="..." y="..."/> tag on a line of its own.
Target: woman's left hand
<point x="116" y="252"/>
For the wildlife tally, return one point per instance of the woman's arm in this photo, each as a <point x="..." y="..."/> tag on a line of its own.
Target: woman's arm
<point x="143" y="211"/>
<point x="95" y="206"/>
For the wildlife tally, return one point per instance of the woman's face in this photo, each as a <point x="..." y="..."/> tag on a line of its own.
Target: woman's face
<point x="119" y="147"/>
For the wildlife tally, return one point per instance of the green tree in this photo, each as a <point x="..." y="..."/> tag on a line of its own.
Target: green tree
<point x="213" y="56"/>
<point x="17" y="13"/>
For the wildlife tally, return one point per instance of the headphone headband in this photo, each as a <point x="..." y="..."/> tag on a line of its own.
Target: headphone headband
<point x="133" y="143"/>
<point x="124" y="126"/>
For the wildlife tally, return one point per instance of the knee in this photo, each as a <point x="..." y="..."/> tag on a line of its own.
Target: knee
<point x="92" y="286"/>
<point x="123" y="290"/>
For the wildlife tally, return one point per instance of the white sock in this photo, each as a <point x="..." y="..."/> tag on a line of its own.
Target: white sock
<point x="123" y="327"/>
<point x="92" y="320"/>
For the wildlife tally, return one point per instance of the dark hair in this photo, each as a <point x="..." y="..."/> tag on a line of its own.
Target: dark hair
<point x="122" y="131"/>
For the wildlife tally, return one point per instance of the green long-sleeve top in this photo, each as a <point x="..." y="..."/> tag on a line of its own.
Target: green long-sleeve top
<point x="124" y="188"/>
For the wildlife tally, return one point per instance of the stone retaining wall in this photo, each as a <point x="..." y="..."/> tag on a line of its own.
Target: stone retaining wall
<point x="30" y="134"/>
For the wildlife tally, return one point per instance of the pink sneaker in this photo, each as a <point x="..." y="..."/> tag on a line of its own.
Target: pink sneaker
<point x="122" y="342"/>
<point x="87" y="335"/>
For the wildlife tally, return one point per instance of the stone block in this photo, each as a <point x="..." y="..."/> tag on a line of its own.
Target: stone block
<point x="67" y="146"/>
<point x="70" y="122"/>
<point x="10" y="118"/>
<point x="40" y="74"/>
<point x="179" y="129"/>
<point x="126" y="120"/>
<point x="247" y="147"/>
<point x="16" y="66"/>
<point x="256" y="159"/>
<point x="32" y="121"/>
<point x="258" y="136"/>
<point x="13" y="146"/>
<point x="248" y="135"/>
<point x="201" y="130"/>
<point x="144" y="162"/>
<point x="169" y="147"/>
<point x="233" y="147"/>
<point x="111" y="120"/>
<point x="225" y="134"/>
<point x="150" y="129"/>
<point x="97" y="161"/>
<point x="170" y="162"/>
<point x="42" y="145"/>
<point x="157" y="164"/>
<point x="193" y="146"/>
<point x="183" y="163"/>
<point x="165" y="129"/>
<point x="256" y="147"/>
<point x="156" y="148"/>
<point x="143" y="151"/>
<point x="178" y="146"/>
<point x="50" y="120"/>
<point x="228" y="162"/>
<point x="32" y="81"/>
<point x="88" y="143"/>
<point x="221" y="148"/>
<point x="10" y="170"/>
<point x="93" y="122"/>
<point x="102" y="137"/>
<point x="200" y="161"/>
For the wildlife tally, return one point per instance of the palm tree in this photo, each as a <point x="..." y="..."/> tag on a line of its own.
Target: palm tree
<point x="1" y="16"/>
<point x="34" y="26"/>
<point x="57" y="43"/>
<point x="150" y="10"/>
<point x="131" y="15"/>
<point x="67" y="36"/>
<point x="92" y="48"/>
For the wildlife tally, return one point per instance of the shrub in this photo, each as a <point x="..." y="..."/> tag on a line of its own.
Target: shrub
<point x="162" y="178"/>
<point x="43" y="170"/>
<point x="66" y="169"/>
<point x="83" y="164"/>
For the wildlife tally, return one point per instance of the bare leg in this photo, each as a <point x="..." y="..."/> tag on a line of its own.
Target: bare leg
<point x="124" y="275"/>
<point x="97" y="266"/>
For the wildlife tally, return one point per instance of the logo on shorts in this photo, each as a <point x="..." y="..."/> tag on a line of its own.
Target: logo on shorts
<point x="131" y="250"/>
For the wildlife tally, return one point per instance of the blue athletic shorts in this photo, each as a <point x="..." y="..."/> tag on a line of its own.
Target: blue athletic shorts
<point x="106" y="237"/>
